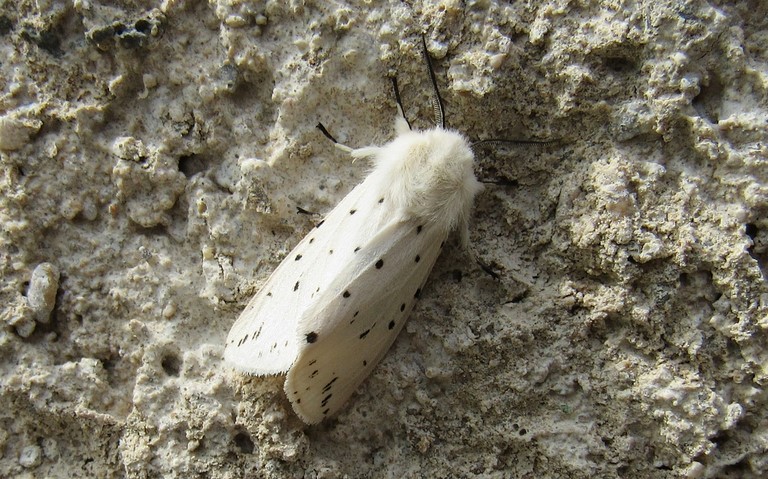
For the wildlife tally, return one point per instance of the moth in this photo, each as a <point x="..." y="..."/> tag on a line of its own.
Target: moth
<point x="334" y="306"/>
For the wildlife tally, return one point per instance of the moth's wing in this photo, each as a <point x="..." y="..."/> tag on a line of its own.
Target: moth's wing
<point x="349" y="331"/>
<point x="264" y="338"/>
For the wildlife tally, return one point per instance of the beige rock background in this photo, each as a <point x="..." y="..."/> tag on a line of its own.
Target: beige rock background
<point x="153" y="155"/>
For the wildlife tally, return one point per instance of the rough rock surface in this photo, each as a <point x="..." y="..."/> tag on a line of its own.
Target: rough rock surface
<point x="153" y="154"/>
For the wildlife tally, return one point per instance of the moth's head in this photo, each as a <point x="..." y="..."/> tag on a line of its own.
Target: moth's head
<point x="431" y="174"/>
<point x="448" y="150"/>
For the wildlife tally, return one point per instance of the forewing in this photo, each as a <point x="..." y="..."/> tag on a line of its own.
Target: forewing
<point x="264" y="339"/>
<point x="349" y="331"/>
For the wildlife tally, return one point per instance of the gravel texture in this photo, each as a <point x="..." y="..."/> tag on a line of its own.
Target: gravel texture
<point x="153" y="155"/>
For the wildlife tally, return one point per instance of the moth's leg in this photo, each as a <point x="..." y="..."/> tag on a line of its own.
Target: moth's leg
<point x="340" y="146"/>
<point x="402" y="125"/>
<point x="355" y="153"/>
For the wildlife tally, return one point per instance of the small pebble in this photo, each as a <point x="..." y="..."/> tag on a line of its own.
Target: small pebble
<point x="31" y="456"/>
<point x="41" y="295"/>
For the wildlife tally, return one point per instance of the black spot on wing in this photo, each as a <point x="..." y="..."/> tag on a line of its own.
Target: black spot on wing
<point x="365" y="333"/>
<point x="418" y="229"/>
<point x="311" y="337"/>
<point x="356" y="249"/>
<point x="379" y="263"/>
<point x="327" y="387"/>
<point x="391" y="324"/>
<point x="257" y="333"/>
<point x="320" y="224"/>
<point x="351" y="212"/>
<point x="296" y="286"/>
<point x="417" y="258"/>
<point x="346" y="294"/>
<point x="418" y="294"/>
<point x="298" y="257"/>
<point x="402" y="307"/>
<point x="381" y="200"/>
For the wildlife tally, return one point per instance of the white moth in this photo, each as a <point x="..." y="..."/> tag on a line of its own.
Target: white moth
<point x="334" y="306"/>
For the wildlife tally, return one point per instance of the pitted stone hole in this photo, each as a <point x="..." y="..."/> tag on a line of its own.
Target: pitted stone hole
<point x="621" y="65"/>
<point x="457" y="275"/>
<point x="750" y="229"/>
<point x="143" y="26"/>
<point x="171" y="364"/>
<point x="244" y="443"/>
<point x="6" y="25"/>
<point x="192" y="164"/>
<point x="708" y="103"/>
